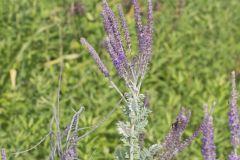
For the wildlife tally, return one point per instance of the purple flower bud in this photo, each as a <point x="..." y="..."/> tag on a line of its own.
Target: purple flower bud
<point x="95" y="56"/>
<point x="208" y="147"/>
<point x="233" y="115"/>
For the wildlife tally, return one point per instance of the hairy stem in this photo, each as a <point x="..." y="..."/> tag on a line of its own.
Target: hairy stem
<point x="132" y="116"/>
<point x="132" y="143"/>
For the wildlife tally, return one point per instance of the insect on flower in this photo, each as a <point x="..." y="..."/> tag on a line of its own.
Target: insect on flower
<point x="176" y="124"/>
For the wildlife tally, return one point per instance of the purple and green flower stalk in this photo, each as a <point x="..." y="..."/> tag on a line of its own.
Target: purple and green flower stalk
<point x="233" y="116"/>
<point x="125" y="28"/>
<point x="144" y="33"/>
<point x="96" y="58"/>
<point x="117" y="54"/>
<point x="208" y="146"/>
<point x="3" y="154"/>
<point x="139" y="26"/>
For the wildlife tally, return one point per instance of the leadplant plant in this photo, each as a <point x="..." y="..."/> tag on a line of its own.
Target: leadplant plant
<point x="208" y="146"/>
<point x="132" y="71"/>
<point x="234" y="121"/>
<point x="63" y="143"/>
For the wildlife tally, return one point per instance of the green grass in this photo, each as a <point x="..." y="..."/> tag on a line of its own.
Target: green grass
<point x="191" y="65"/>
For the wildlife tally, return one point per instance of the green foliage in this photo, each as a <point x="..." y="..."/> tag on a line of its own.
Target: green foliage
<point x="192" y="60"/>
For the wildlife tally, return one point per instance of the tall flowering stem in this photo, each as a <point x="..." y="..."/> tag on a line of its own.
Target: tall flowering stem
<point x="233" y="116"/>
<point x="208" y="147"/>
<point x="131" y="71"/>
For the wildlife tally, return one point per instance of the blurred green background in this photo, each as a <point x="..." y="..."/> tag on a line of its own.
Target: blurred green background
<point x="193" y="56"/>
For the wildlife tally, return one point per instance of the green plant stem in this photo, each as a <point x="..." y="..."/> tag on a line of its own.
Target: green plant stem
<point x="132" y="142"/>
<point x="117" y="89"/>
<point x="132" y="121"/>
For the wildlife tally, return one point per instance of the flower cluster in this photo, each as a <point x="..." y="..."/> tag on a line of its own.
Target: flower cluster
<point x="208" y="147"/>
<point x="173" y="142"/>
<point x="118" y="48"/>
<point x="233" y="115"/>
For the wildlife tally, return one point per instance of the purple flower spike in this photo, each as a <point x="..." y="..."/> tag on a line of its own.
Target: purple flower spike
<point x="233" y="156"/>
<point x="233" y="115"/>
<point x="112" y="21"/>
<point x="173" y="142"/>
<point x="139" y="27"/>
<point x="95" y="56"/>
<point x="114" y="33"/>
<point x="3" y="154"/>
<point x="115" y="58"/>
<point x="144" y="37"/>
<point x="149" y="31"/>
<point x="208" y="147"/>
<point x="117" y="50"/>
<point x="124" y="27"/>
